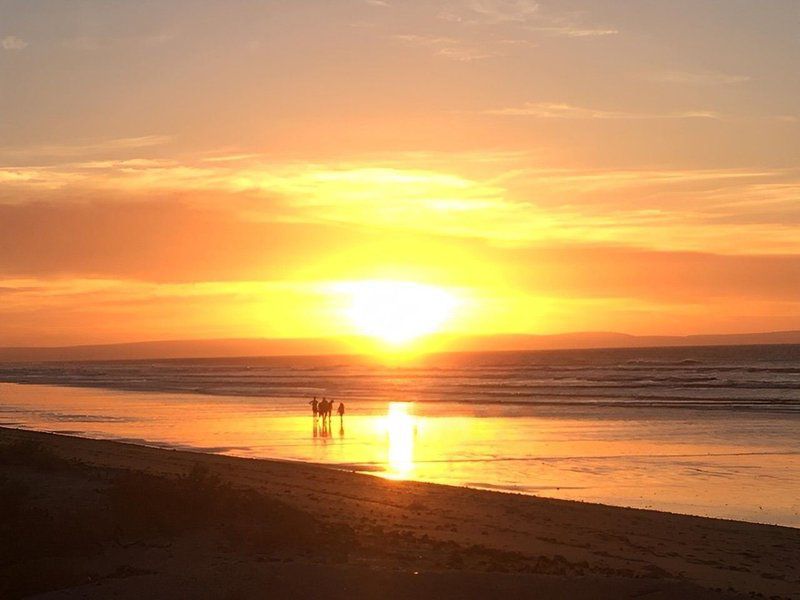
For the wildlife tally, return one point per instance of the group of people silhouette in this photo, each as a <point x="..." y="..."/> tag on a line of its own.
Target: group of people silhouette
<point x="324" y="408"/>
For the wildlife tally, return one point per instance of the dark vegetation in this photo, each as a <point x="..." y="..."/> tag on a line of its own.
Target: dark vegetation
<point x="48" y="531"/>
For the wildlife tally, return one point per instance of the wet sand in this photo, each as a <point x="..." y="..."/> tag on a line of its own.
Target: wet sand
<point x="722" y="464"/>
<point x="397" y="539"/>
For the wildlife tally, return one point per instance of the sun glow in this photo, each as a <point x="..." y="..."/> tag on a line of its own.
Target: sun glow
<point x="397" y="312"/>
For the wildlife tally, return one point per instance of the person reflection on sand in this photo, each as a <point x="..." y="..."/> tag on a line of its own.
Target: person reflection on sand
<point x="325" y="431"/>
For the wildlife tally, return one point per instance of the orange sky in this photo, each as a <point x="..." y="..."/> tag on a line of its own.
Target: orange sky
<point x="226" y="169"/>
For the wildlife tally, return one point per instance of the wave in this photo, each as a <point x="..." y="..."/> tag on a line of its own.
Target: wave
<point x="761" y="378"/>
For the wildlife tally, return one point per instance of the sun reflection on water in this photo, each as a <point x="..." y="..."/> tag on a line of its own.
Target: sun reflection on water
<point x="400" y="428"/>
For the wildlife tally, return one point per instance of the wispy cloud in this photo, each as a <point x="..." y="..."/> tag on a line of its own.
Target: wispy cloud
<point x="556" y="110"/>
<point x="562" y="110"/>
<point x="91" y="43"/>
<point x="447" y="47"/>
<point x="576" y="31"/>
<point x="490" y="12"/>
<point x="86" y="148"/>
<point x="524" y="14"/>
<point x="696" y="77"/>
<point x="479" y="29"/>
<point x="501" y="203"/>
<point x="12" y="42"/>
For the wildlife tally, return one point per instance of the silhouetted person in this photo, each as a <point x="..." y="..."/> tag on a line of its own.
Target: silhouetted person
<point x="341" y="409"/>
<point x="314" y="406"/>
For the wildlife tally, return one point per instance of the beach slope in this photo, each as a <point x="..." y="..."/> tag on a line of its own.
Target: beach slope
<point x="99" y="519"/>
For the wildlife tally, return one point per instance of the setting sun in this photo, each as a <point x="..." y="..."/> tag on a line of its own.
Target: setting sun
<point x="397" y="312"/>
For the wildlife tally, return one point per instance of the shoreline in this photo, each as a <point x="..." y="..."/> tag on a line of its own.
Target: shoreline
<point x="376" y="470"/>
<point x="651" y="460"/>
<point x="594" y="541"/>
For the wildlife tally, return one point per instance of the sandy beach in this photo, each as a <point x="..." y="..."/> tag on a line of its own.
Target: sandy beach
<point x="131" y="521"/>
<point x="728" y="464"/>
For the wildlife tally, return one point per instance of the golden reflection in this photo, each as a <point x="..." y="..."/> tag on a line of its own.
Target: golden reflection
<point x="401" y="429"/>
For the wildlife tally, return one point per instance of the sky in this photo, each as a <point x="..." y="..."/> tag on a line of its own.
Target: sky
<point x="174" y="170"/>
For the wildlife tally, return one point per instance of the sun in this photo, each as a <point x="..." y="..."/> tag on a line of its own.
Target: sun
<point x="397" y="312"/>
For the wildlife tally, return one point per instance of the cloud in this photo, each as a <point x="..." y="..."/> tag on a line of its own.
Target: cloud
<point x="152" y="39"/>
<point x="600" y="279"/>
<point x="12" y="42"/>
<point x="696" y="77"/>
<point x="503" y="200"/>
<point x="562" y="110"/>
<point x="617" y="272"/>
<point x="447" y="47"/>
<point x="576" y="31"/>
<point x="557" y="110"/>
<point x="171" y="241"/>
<point x="40" y="151"/>
<point x="85" y="310"/>
<point x="490" y="12"/>
<point x="14" y="179"/>
<point x="168" y="240"/>
<point x="481" y="29"/>
<point x="527" y="15"/>
<point x="593" y="236"/>
<point x="462" y="51"/>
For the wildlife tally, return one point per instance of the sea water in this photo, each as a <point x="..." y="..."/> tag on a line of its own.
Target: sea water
<point x="712" y="431"/>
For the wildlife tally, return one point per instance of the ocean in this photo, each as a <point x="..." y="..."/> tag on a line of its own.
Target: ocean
<point x="713" y="431"/>
<point x="723" y="377"/>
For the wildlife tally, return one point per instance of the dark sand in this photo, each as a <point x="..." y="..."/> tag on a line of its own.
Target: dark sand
<point x="97" y="519"/>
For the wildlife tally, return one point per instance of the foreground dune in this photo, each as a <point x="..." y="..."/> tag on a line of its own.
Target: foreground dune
<point x="177" y="524"/>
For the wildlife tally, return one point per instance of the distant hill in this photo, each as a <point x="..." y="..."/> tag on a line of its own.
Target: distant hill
<point x="175" y="349"/>
<point x="601" y="339"/>
<point x="319" y="346"/>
